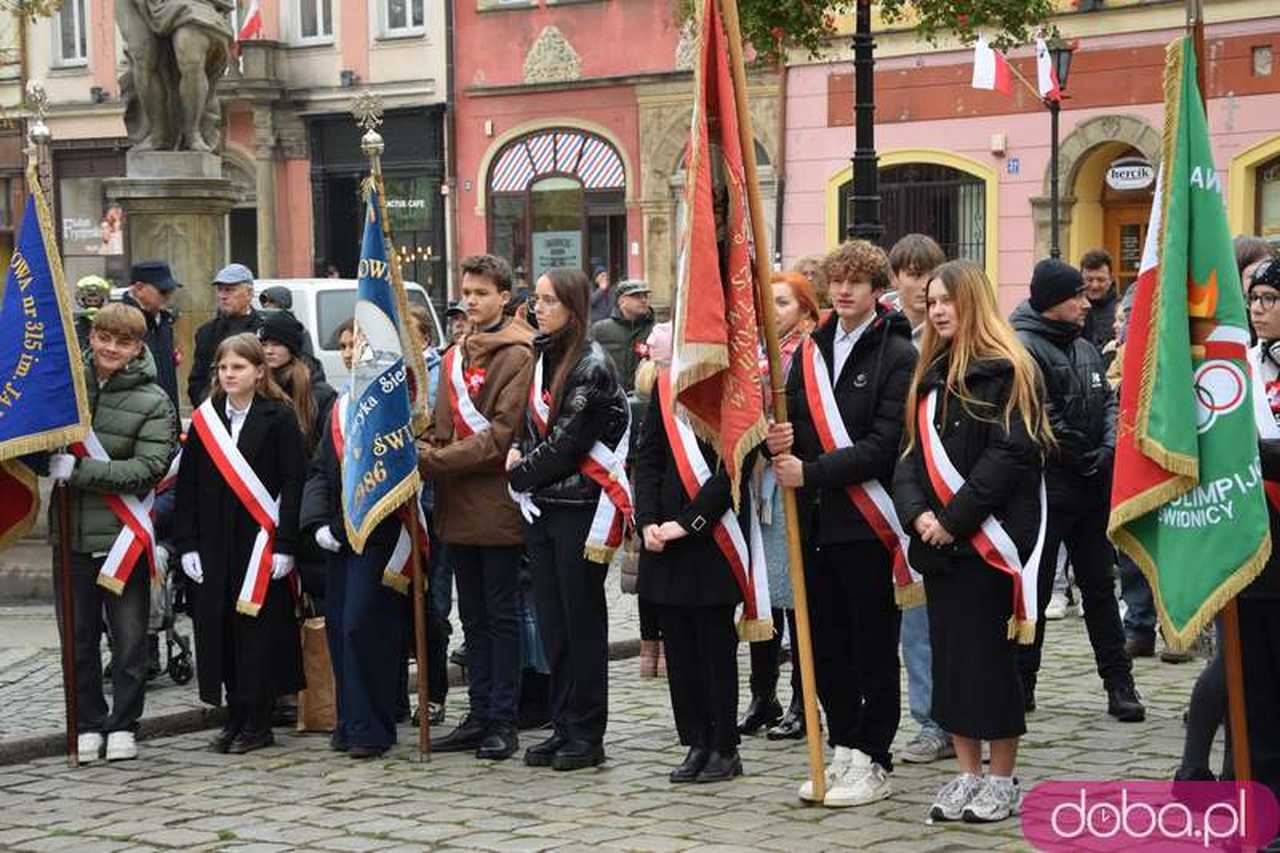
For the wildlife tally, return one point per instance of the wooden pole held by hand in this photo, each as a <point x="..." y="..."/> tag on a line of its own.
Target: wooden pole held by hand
<point x="760" y="233"/>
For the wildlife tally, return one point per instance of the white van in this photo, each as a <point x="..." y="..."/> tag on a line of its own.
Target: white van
<point x="322" y="304"/>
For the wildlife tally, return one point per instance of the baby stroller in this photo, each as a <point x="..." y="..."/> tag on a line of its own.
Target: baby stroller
<point x="169" y="597"/>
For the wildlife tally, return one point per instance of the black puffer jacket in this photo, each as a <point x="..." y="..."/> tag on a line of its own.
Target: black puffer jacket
<point x="593" y="407"/>
<point x="1001" y="468"/>
<point x="870" y="392"/>
<point x="1082" y="407"/>
<point x="1100" y="322"/>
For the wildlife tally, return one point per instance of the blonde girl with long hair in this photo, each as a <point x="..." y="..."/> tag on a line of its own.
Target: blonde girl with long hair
<point x="984" y="393"/>
<point x="248" y="649"/>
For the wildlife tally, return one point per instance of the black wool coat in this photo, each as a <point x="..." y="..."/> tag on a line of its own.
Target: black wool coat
<point x="259" y="657"/>
<point x="1001" y="468"/>
<point x="690" y="572"/>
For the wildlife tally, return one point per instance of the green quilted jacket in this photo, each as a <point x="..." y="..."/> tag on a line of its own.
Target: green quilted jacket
<point x="135" y="422"/>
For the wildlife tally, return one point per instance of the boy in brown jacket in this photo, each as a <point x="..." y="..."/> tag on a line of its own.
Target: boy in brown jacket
<point x="479" y="412"/>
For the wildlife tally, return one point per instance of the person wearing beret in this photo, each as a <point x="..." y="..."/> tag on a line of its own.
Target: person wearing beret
<point x="151" y="290"/>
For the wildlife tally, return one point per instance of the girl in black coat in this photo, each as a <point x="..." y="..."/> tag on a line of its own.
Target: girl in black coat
<point x="989" y="420"/>
<point x="584" y="404"/>
<point x="252" y="658"/>
<point x="684" y="573"/>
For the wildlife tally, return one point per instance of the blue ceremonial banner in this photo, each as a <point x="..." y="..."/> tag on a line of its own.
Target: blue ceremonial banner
<point x="42" y="392"/>
<point x="380" y="460"/>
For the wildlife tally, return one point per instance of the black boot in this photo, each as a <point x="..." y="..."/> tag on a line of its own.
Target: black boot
<point x="466" y="737"/>
<point x="691" y="766"/>
<point x="763" y="712"/>
<point x="791" y="726"/>
<point x="221" y="742"/>
<point x="721" y="767"/>
<point x="500" y="743"/>
<point x="578" y="754"/>
<point x="257" y="730"/>
<point x="1124" y="704"/>
<point x="542" y="753"/>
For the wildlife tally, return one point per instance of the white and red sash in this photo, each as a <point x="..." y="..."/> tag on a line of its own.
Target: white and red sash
<point x="137" y="535"/>
<point x="398" y="573"/>
<point x="170" y="478"/>
<point x="607" y="466"/>
<point x="254" y="497"/>
<point x="746" y="561"/>
<point x="992" y="542"/>
<point x="467" y="419"/>
<point x="870" y="497"/>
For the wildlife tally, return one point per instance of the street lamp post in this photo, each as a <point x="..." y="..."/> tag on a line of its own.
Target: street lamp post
<point x="864" y="207"/>
<point x="1060" y="53"/>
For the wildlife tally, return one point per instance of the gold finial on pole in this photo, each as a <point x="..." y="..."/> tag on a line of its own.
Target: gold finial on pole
<point x="367" y="110"/>
<point x="38" y="135"/>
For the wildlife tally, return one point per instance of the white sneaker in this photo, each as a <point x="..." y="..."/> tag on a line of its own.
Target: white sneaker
<point x="839" y="763"/>
<point x="954" y="796"/>
<point x="862" y="782"/>
<point x="996" y="801"/>
<point x="1057" y="608"/>
<point x="89" y="747"/>
<point x="121" y="746"/>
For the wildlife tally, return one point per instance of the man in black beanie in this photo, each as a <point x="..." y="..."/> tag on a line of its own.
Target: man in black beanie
<point x="1082" y="410"/>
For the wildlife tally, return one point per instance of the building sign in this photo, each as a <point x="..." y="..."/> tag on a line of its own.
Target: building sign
<point x="408" y="208"/>
<point x="90" y="226"/>
<point x="1130" y="173"/>
<point x="555" y="249"/>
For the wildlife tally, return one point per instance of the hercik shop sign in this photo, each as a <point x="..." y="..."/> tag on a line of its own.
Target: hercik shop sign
<point x="1102" y="816"/>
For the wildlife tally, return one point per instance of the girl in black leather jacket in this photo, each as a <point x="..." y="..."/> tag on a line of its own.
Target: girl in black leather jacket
<point x="576" y="404"/>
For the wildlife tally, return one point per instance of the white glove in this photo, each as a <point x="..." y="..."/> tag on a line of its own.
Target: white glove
<point x="191" y="566"/>
<point x="524" y="500"/>
<point x="61" y="465"/>
<point x="324" y="538"/>
<point x="281" y="565"/>
<point x="162" y="560"/>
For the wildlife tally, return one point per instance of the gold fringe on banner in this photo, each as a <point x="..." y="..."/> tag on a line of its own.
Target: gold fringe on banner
<point x="907" y="597"/>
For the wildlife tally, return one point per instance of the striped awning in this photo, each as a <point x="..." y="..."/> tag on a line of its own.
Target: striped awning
<point x="557" y="152"/>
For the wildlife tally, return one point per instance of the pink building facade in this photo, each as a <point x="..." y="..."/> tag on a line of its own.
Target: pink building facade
<point x="972" y="168"/>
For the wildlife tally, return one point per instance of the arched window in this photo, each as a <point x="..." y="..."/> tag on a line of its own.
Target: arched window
<point x="1267" y="216"/>
<point x="947" y="204"/>
<point x="558" y="198"/>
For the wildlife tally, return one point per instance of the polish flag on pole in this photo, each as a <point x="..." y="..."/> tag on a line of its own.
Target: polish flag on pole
<point x="990" y="69"/>
<point x="252" y="26"/>
<point x="1046" y="77"/>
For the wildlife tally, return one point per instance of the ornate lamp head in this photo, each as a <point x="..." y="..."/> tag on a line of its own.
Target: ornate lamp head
<point x="38" y="104"/>
<point x="366" y="107"/>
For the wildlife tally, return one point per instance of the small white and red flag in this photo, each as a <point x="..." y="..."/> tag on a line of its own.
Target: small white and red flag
<point x="1046" y="76"/>
<point x="991" y="69"/>
<point x="251" y="26"/>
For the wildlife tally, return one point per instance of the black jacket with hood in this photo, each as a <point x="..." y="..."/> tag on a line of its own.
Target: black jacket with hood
<point x="871" y="392"/>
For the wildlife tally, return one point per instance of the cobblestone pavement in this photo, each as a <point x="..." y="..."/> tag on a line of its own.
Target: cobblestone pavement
<point x="31" y="702"/>
<point x="299" y="795"/>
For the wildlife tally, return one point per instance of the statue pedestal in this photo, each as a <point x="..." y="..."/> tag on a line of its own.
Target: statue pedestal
<point x="176" y="203"/>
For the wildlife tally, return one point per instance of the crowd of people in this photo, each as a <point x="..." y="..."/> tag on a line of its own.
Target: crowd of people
<point x="950" y="463"/>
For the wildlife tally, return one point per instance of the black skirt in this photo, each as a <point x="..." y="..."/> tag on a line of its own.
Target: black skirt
<point x="977" y="692"/>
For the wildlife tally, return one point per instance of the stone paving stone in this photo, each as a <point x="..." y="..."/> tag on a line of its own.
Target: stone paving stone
<point x="502" y="843"/>
<point x="181" y="837"/>
<point x="649" y="844"/>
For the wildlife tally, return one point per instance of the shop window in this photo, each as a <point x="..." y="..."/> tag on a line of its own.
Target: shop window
<point x="557" y="198"/>
<point x="315" y="20"/>
<point x="71" y="41"/>
<point x="926" y="198"/>
<point x="402" y="17"/>
<point x="1268" y="195"/>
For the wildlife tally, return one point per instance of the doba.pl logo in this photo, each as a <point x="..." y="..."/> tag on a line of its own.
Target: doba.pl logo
<point x="1071" y="816"/>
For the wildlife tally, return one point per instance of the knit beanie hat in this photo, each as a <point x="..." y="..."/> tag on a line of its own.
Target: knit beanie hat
<point x="1267" y="273"/>
<point x="280" y="327"/>
<point x="1054" y="282"/>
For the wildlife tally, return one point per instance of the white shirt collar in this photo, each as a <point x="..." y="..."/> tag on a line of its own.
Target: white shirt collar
<point x="851" y="337"/>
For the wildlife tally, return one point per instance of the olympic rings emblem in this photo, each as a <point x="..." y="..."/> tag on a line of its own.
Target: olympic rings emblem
<point x="1219" y="388"/>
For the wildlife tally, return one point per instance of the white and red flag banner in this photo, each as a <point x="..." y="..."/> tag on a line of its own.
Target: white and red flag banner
<point x="1046" y="76"/>
<point x="990" y="68"/>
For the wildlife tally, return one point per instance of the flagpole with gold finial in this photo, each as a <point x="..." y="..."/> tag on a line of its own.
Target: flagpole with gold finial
<point x="367" y="109"/>
<point x="38" y="139"/>
<point x="760" y="235"/>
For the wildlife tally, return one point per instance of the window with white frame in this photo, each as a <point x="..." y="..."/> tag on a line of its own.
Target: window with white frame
<point x="70" y="34"/>
<point x="315" y="20"/>
<point x="402" y="17"/>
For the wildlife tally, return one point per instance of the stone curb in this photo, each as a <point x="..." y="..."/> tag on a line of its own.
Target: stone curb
<point x="21" y="750"/>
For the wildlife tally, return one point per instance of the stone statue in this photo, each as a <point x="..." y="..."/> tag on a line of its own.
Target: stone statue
<point x="177" y="51"/>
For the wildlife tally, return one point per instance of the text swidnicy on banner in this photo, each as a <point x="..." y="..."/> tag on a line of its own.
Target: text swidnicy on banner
<point x="1187" y="499"/>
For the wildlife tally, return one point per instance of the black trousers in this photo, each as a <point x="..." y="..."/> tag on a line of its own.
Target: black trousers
<point x="766" y="659"/>
<point x="1080" y="522"/>
<point x="855" y="645"/>
<point x="126" y="614"/>
<point x="1260" y="653"/>
<point x="650" y="624"/>
<point x="488" y="578"/>
<point x="573" y="620"/>
<point x="702" y="674"/>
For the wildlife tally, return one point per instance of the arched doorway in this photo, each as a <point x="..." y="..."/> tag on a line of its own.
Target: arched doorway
<point x="1113" y="189"/>
<point x="557" y="197"/>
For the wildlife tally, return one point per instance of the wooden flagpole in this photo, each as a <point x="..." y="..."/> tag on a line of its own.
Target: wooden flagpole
<point x="1230" y="639"/>
<point x="760" y="234"/>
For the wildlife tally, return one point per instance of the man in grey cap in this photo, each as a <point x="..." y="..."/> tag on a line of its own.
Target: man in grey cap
<point x="234" y="284"/>
<point x="623" y="335"/>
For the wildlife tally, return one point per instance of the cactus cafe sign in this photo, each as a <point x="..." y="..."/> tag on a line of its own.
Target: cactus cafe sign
<point x="1130" y="173"/>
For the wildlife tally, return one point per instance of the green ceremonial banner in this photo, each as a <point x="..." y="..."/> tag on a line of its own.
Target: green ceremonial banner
<point x="1187" y="499"/>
